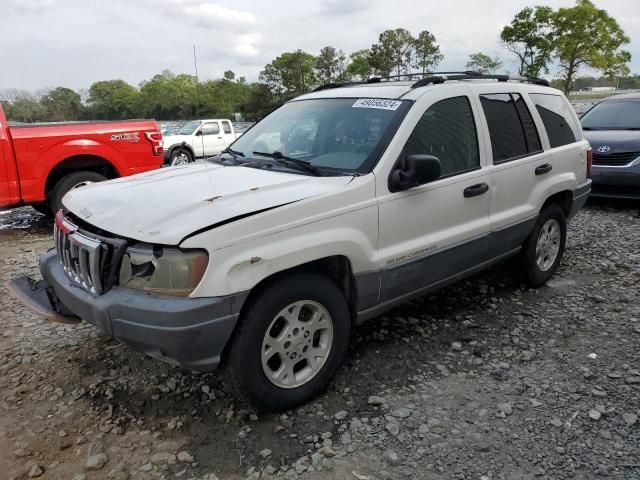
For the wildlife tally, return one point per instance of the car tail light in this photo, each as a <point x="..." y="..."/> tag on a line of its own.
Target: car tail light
<point x="589" y="161"/>
<point x="155" y="138"/>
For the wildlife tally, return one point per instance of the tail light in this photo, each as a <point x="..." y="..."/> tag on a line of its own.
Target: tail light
<point x="155" y="138"/>
<point x="589" y="161"/>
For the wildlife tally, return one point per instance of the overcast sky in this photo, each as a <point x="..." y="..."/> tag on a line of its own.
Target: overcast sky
<point x="46" y="43"/>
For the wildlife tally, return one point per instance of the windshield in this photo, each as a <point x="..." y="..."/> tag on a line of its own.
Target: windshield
<point x="339" y="134"/>
<point x="613" y="115"/>
<point x="189" y="128"/>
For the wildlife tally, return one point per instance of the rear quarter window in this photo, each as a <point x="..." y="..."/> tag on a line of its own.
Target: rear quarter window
<point x="557" y="118"/>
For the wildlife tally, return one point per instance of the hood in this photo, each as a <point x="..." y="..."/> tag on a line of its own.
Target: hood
<point x="616" y="140"/>
<point x="166" y="205"/>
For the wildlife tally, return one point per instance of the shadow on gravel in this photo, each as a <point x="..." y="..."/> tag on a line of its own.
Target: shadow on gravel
<point x="616" y="204"/>
<point x="226" y="437"/>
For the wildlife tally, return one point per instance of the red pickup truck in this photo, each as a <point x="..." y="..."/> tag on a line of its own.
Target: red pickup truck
<point x="39" y="163"/>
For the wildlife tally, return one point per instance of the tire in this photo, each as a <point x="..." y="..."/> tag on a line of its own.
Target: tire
<point x="43" y="208"/>
<point x="245" y="365"/>
<point x="69" y="182"/>
<point x="180" y="156"/>
<point x="535" y="270"/>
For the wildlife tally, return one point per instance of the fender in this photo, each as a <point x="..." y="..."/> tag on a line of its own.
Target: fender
<point x="240" y="267"/>
<point x="560" y="183"/>
<point x="187" y="146"/>
<point x="34" y="178"/>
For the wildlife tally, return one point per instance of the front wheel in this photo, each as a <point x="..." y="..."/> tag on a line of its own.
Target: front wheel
<point x="180" y="156"/>
<point x="290" y="343"/>
<point x="542" y="251"/>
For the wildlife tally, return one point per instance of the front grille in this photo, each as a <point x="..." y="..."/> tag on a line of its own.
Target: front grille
<point x="615" y="159"/>
<point x="90" y="261"/>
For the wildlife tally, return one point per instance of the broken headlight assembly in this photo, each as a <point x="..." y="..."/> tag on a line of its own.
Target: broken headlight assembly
<point x="162" y="270"/>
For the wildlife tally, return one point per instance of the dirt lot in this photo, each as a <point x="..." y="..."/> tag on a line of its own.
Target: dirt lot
<point x="484" y="380"/>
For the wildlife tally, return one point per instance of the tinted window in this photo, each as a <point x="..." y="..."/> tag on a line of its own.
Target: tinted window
<point x="211" y="128"/>
<point x="447" y="131"/>
<point x="613" y="115"/>
<point x="226" y="126"/>
<point x="530" y="130"/>
<point x="557" y="117"/>
<point x="508" y="140"/>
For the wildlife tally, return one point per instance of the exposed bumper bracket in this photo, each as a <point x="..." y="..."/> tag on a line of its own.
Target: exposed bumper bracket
<point x="40" y="298"/>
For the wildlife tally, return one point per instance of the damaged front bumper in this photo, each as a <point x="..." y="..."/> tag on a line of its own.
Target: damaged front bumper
<point x="190" y="332"/>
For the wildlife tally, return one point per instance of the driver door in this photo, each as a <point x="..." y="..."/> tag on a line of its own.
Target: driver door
<point x="434" y="231"/>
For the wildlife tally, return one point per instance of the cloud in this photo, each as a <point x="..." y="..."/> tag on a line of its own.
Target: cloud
<point x="28" y="6"/>
<point x="344" y="7"/>
<point x="205" y="14"/>
<point x="246" y="45"/>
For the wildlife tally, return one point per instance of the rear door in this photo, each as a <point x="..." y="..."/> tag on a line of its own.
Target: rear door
<point x="227" y="132"/>
<point x="212" y="139"/>
<point x="563" y="132"/>
<point x="518" y="164"/>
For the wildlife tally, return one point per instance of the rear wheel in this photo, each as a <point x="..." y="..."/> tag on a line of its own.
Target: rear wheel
<point x="291" y="341"/>
<point x="70" y="182"/>
<point x="542" y="251"/>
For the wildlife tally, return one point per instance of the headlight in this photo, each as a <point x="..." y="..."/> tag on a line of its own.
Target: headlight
<point x="162" y="270"/>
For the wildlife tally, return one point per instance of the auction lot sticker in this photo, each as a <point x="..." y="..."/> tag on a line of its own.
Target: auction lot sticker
<point x="379" y="103"/>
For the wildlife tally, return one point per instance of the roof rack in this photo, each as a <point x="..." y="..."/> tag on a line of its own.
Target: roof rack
<point x="433" y="78"/>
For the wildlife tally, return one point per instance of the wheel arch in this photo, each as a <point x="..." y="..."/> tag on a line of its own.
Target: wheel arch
<point x="188" y="147"/>
<point x="563" y="199"/>
<point x="92" y="163"/>
<point x="336" y="267"/>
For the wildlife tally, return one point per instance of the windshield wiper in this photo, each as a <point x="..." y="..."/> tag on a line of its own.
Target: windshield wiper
<point x="280" y="158"/>
<point x="234" y="154"/>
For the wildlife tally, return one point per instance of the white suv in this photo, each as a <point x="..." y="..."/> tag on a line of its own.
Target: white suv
<point x="336" y="207"/>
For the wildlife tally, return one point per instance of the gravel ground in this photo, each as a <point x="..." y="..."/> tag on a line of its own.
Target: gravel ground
<point x="484" y="380"/>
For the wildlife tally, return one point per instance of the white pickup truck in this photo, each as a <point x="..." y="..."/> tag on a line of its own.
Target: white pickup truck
<point x="201" y="138"/>
<point x="336" y="207"/>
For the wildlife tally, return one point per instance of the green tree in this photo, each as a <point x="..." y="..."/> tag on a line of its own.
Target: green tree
<point x="170" y="96"/>
<point x="260" y="101"/>
<point x="24" y="108"/>
<point x="530" y="37"/>
<point x="426" y="52"/>
<point x="482" y="63"/>
<point x="292" y="73"/>
<point x="62" y="103"/>
<point x="272" y="78"/>
<point x="588" y="37"/>
<point x="393" y="52"/>
<point x="359" y="67"/>
<point x="330" y="65"/>
<point x="229" y="75"/>
<point x="114" y="100"/>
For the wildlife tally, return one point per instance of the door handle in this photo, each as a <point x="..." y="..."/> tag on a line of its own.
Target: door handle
<point x="219" y="138"/>
<point x="475" y="190"/>
<point x="542" y="169"/>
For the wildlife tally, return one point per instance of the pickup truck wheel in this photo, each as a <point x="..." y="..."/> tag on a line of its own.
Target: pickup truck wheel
<point x="543" y="249"/>
<point x="180" y="156"/>
<point x="289" y="344"/>
<point x="43" y="208"/>
<point x="69" y="182"/>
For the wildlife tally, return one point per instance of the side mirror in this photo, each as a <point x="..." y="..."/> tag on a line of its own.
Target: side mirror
<point x="419" y="169"/>
<point x="198" y="133"/>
